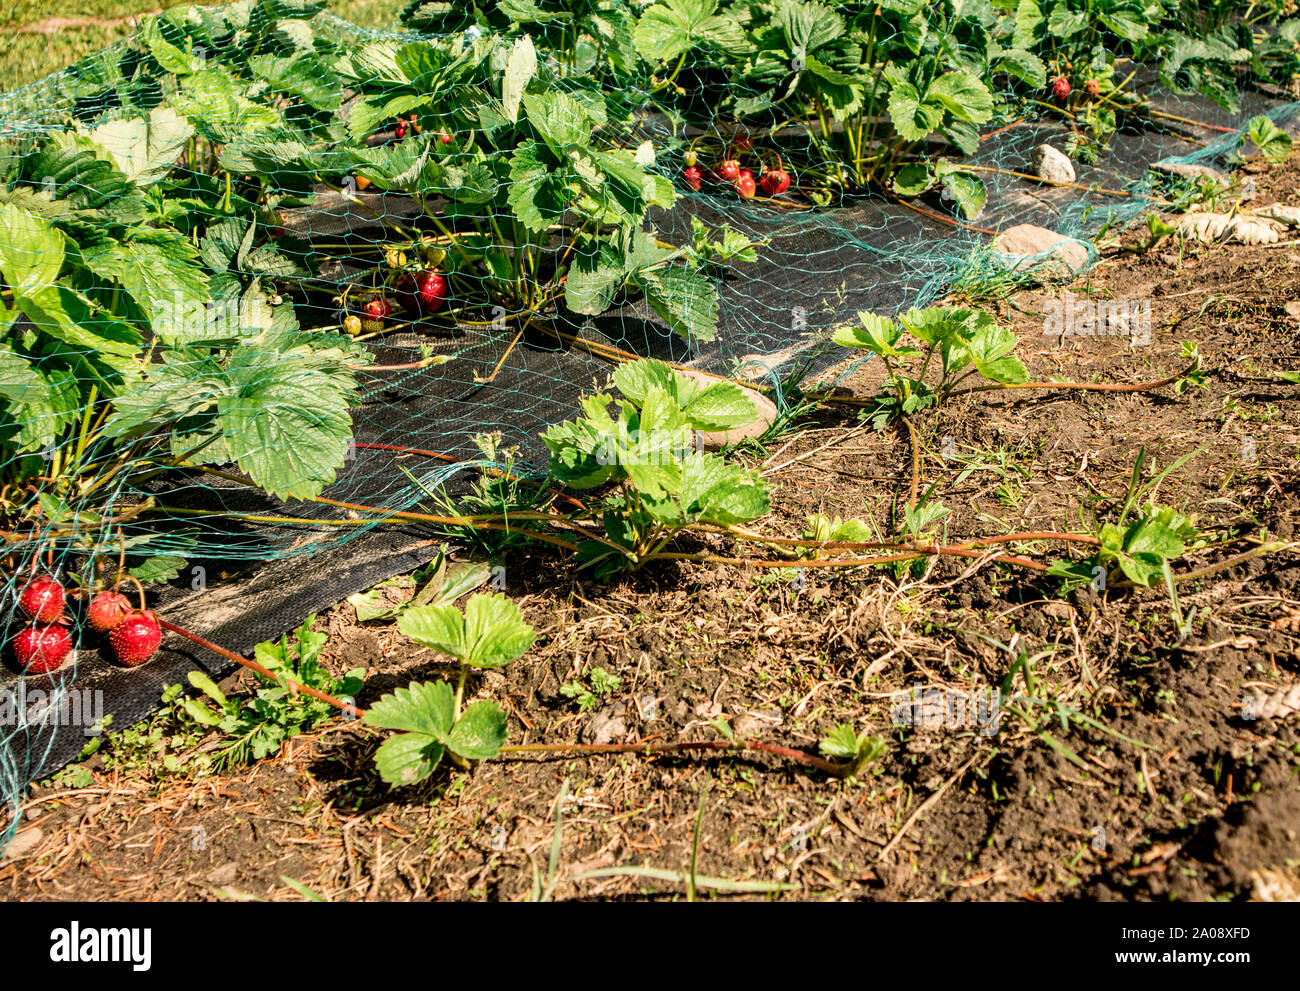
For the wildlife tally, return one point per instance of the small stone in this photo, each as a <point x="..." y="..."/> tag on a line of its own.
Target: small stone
<point x="1057" y="254"/>
<point x="765" y="414"/>
<point x="605" y="727"/>
<point x="1057" y="609"/>
<point x="1052" y="165"/>
<point x="1281" y="212"/>
<point x="1190" y="171"/>
<point x="24" y="842"/>
<point x="750" y="724"/>
<point x="223" y="875"/>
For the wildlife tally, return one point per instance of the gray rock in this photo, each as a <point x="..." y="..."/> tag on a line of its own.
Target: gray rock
<point x="1052" y="165"/>
<point x="24" y="842"/>
<point x="605" y="727"/>
<point x="749" y="724"/>
<point x="223" y="875"/>
<point x="1055" y="253"/>
<point x="1190" y="171"/>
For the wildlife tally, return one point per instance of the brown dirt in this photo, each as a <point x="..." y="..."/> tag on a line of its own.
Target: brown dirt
<point x="1208" y="807"/>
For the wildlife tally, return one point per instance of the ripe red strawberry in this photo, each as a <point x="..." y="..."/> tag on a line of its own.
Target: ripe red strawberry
<point x="694" y="175"/>
<point x="444" y="137"/>
<point x="40" y="649"/>
<point x="1091" y="88"/>
<point x="1060" y="87"/>
<point x="136" y="638"/>
<point x="400" y="129"/>
<point x="774" y="181"/>
<point x="728" y="170"/>
<point x="107" y="610"/>
<point x="42" y="599"/>
<point x="431" y="290"/>
<point x="745" y="184"/>
<point x="374" y="311"/>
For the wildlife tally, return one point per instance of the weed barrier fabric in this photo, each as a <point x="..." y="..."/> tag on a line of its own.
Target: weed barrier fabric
<point x="815" y="269"/>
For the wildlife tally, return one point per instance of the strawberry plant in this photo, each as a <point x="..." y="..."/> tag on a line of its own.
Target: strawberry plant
<point x="968" y="343"/>
<point x="427" y="716"/>
<point x="646" y="454"/>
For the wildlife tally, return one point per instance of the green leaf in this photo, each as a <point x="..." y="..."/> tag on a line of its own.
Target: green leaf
<point x="284" y="417"/>
<point x="990" y="349"/>
<point x="520" y="69"/>
<point x="216" y="104"/>
<point x="64" y="315"/>
<point x="145" y="150"/>
<point x="718" y="405"/>
<point x="1131" y="24"/>
<point x="31" y="250"/>
<point x="560" y="120"/>
<point x="686" y="300"/>
<point x="1023" y="65"/>
<point x="876" y="334"/>
<point x="427" y="708"/>
<point x="722" y="492"/>
<point x="1149" y="537"/>
<point x="157" y="569"/>
<point x="1273" y="142"/>
<point x="963" y="96"/>
<point x="164" y="281"/>
<point x="1028" y="19"/>
<point x="966" y="191"/>
<point x="668" y="29"/>
<point x="935" y="324"/>
<point x="306" y="77"/>
<point x="594" y="279"/>
<point x="479" y="733"/>
<point x="489" y="634"/>
<point x="208" y="687"/>
<point x="841" y="742"/>
<point x="535" y="195"/>
<point x="407" y="758"/>
<point x="912" y="180"/>
<point x="912" y="118"/>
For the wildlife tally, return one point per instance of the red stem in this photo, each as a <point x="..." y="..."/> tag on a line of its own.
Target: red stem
<point x="346" y="707"/>
<point x="669" y="748"/>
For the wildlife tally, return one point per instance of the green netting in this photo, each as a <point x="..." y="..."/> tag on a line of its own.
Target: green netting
<point x="254" y="255"/>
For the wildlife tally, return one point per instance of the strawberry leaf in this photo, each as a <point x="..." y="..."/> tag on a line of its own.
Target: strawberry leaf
<point x="876" y="334"/>
<point x="408" y="758"/>
<point x="421" y="707"/>
<point x="490" y="633"/>
<point x="479" y="733"/>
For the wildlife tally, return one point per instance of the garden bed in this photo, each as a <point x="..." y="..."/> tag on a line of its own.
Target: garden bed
<point x="1198" y="811"/>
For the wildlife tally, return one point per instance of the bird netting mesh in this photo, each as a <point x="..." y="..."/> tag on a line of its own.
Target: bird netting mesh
<point x="268" y="275"/>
